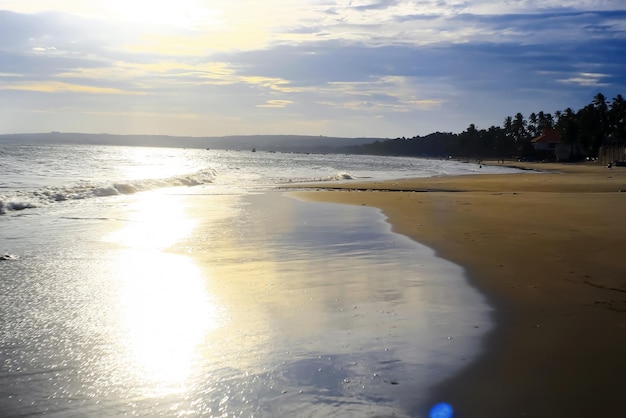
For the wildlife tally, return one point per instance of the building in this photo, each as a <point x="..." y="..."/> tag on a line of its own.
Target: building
<point x="613" y="151"/>
<point x="548" y="146"/>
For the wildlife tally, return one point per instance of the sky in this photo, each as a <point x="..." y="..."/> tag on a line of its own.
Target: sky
<point x="351" y="68"/>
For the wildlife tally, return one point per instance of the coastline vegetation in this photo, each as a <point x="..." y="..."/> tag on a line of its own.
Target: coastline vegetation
<point x="586" y="130"/>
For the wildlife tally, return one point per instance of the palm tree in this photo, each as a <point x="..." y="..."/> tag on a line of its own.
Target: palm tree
<point x="545" y="121"/>
<point x="617" y="118"/>
<point x="533" y="124"/>
<point x="520" y="134"/>
<point x="568" y="128"/>
<point x="599" y="102"/>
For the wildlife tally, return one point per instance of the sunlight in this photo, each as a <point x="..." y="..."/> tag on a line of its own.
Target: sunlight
<point x="158" y="221"/>
<point x="179" y="13"/>
<point x="165" y="309"/>
<point x="167" y="313"/>
<point x="152" y="163"/>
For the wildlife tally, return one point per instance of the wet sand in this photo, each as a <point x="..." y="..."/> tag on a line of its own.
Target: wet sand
<point x="548" y="249"/>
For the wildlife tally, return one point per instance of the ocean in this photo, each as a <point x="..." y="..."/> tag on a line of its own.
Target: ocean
<point x="184" y="282"/>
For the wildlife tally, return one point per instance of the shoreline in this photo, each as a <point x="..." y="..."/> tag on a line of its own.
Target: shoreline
<point x="546" y="249"/>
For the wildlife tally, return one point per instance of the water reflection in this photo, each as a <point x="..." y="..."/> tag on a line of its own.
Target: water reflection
<point x="157" y="221"/>
<point x="229" y="306"/>
<point x="329" y="315"/>
<point x="166" y="314"/>
<point x="165" y="311"/>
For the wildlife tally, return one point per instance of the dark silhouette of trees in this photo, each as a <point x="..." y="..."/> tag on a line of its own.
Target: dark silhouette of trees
<point x="617" y="118"/>
<point x="533" y="125"/>
<point x="586" y="130"/>
<point x="545" y="121"/>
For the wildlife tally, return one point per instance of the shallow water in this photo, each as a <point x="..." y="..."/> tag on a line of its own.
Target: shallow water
<point x="123" y="295"/>
<point x="169" y="304"/>
<point x="44" y="177"/>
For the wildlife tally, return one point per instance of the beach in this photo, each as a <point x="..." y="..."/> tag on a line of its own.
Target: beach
<point x="126" y="290"/>
<point x="547" y="250"/>
<point x="208" y="290"/>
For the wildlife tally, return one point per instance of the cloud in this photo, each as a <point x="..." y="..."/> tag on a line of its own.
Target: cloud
<point x="537" y="6"/>
<point x="586" y="79"/>
<point x="384" y="94"/>
<point x="276" y="103"/>
<point x="58" y="87"/>
<point x="409" y="65"/>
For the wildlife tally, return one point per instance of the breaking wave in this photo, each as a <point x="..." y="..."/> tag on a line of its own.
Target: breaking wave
<point x="335" y="177"/>
<point x="21" y="200"/>
<point x="340" y="176"/>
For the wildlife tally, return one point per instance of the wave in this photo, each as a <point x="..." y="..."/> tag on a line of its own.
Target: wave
<point x="340" y="176"/>
<point x="84" y="190"/>
<point x="335" y="177"/>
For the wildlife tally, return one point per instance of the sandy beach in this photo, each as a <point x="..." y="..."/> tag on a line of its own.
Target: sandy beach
<point x="547" y="249"/>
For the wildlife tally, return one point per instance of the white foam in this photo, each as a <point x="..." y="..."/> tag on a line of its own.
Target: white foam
<point x="21" y="200"/>
<point x="340" y="176"/>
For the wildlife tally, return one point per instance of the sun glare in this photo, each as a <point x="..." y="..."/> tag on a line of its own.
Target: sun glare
<point x="158" y="222"/>
<point x="180" y="13"/>
<point x="167" y="314"/>
<point x="165" y="309"/>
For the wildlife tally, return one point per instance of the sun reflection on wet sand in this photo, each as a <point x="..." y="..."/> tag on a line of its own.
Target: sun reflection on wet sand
<point x="157" y="221"/>
<point x="164" y="307"/>
<point x="167" y="313"/>
<point x="266" y="306"/>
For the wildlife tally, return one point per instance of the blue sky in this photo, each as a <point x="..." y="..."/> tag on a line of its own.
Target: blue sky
<point x="316" y="67"/>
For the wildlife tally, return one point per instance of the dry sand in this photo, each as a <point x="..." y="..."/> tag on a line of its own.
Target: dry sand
<point x="549" y="250"/>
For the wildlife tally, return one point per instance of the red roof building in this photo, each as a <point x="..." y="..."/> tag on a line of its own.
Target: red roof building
<point x="547" y="141"/>
<point x="549" y="146"/>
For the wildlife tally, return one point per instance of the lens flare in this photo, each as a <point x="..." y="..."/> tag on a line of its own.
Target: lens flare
<point x="441" y="410"/>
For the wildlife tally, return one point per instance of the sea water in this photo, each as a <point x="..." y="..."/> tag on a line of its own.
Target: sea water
<point x="173" y="282"/>
<point x="37" y="176"/>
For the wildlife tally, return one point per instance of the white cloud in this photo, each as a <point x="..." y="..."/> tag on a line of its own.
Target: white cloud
<point x="59" y="87"/>
<point x="385" y="94"/>
<point x="194" y="27"/>
<point x="585" y="79"/>
<point x="276" y="103"/>
<point x="327" y="63"/>
<point x="535" y="6"/>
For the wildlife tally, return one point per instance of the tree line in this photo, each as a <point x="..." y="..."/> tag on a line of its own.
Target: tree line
<point x="586" y="130"/>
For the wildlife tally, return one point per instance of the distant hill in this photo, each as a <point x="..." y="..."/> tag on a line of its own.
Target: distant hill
<point x="437" y="144"/>
<point x="282" y="143"/>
